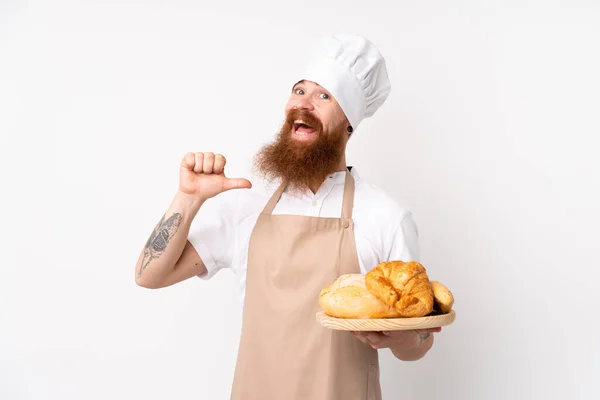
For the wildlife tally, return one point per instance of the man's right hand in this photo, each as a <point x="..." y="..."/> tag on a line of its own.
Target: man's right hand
<point x="202" y="175"/>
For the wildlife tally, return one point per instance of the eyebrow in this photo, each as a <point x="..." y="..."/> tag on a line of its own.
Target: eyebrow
<point x="297" y="83"/>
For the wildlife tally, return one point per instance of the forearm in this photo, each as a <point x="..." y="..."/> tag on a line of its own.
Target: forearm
<point x="166" y="243"/>
<point x="415" y="349"/>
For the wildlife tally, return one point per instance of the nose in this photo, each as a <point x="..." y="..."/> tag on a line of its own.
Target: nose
<point x="303" y="103"/>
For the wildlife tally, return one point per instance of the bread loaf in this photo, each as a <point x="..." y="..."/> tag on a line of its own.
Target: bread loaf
<point x="442" y="297"/>
<point x="348" y="297"/>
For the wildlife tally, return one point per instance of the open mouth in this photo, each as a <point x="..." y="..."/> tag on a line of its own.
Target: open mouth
<point x="302" y="129"/>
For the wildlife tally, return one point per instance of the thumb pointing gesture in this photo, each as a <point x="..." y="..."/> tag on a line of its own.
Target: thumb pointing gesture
<point x="236" y="183"/>
<point x="203" y="175"/>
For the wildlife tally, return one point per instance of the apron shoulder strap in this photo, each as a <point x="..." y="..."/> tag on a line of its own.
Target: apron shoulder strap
<point x="348" y="201"/>
<point x="274" y="199"/>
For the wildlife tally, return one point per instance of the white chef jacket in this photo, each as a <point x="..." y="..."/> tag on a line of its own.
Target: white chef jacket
<point x="383" y="229"/>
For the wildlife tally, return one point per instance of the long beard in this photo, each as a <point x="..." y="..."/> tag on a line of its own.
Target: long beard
<point x="299" y="164"/>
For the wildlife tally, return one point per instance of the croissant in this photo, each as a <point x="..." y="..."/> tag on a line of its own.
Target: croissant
<point x="402" y="285"/>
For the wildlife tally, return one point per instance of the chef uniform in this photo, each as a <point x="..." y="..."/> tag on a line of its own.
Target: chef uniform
<point x="284" y="353"/>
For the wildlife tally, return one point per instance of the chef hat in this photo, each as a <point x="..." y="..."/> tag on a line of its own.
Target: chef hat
<point x="353" y="70"/>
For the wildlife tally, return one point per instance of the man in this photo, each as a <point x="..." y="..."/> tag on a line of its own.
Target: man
<point x="319" y="221"/>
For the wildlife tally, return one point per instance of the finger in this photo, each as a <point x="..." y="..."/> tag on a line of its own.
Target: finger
<point x="375" y="340"/>
<point x="209" y="163"/>
<point x="360" y="337"/>
<point x="373" y="337"/>
<point x="188" y="161"/>
<point x="393" y="334"/>
<point x="384" y="343"/>
<point x="357" y="334"/>
<point x="219" y="165"/>
<point x="384" y="339"/>
<point x="236" y="183"/>
<point x="199" y="161"/>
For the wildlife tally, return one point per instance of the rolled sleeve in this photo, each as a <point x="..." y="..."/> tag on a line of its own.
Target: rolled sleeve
<point x="207" y="258"/>
<point x="212" y="234"/>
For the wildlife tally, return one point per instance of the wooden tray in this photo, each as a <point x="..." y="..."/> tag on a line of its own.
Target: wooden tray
<point x="385" y="324"/>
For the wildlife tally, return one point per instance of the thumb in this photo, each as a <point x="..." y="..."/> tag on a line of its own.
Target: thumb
<point x="236" y="183"/>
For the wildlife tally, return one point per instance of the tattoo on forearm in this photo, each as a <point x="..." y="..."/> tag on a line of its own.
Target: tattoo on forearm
<point x="424" y="336"/>
<point x="159" y="239"/>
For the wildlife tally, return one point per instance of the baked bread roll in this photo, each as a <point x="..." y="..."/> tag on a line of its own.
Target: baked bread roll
<point x="348" y="297"/>
<point x="402" y="285"/>
<point x="442" y="297"/>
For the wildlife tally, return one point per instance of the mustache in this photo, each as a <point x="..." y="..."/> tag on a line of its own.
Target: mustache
<point x="306" y="116"/>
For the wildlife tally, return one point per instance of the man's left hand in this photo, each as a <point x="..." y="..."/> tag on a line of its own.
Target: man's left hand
<point x="395" y="339"/>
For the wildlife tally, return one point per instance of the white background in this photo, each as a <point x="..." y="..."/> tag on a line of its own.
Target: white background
<point x="489" y="135"/>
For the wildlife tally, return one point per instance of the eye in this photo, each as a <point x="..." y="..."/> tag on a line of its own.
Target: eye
<point x="299" y="92"/>
<point x="324" y="96"/>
